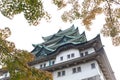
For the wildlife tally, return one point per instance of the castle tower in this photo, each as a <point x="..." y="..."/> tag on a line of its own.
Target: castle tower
<point x="69" y="56"/>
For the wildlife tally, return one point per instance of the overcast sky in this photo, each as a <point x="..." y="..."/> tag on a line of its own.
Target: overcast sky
<point x="24" y="35"/>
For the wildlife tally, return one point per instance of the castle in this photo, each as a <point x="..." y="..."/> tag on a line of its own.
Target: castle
<point x="69" y="56"/>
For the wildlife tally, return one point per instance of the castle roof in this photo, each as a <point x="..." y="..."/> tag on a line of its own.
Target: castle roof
<point x="95" y="43"/>
<point x="53" y="42"/>
<point x="59" y="33"/>
<point x="99" y="55"/>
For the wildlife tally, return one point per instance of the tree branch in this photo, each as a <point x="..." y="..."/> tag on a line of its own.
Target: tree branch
<point x="116" y="2"/>
<point x="110" y="14"/>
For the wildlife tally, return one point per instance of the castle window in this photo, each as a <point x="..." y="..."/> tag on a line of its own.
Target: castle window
<point x="5" y="74"/>
<point x="61" y="58"/>
<point x="86" y="53"/>
<point x="44" y="64"/>
<point x="72" y="55"/>
<point x="59" y="74"/>
<point x="92" y="65"/>
<point x="63" y="73"/>
<point x="53" y="62"/>
<point x="41" y="66"/>
<point x="68" y="56"/>
<point x="79" y="69"/>
<point x="81" y="54"/>
<point x="74" y="70"/>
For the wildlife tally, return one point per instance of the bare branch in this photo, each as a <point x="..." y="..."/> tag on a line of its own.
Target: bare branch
<point x="116" y="2"/>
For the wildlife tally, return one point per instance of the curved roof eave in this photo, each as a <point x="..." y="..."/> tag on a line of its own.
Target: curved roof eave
<point x="97" y="38"/>
<point x="81" y="45"/>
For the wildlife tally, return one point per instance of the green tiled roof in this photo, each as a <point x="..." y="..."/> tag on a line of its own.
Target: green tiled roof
<point x="54" y="39"/>
<point x="53" y="42"/>
<point x="44" y="51"/>
<point x="59" y="33"/>
<point x="64" y="39"/>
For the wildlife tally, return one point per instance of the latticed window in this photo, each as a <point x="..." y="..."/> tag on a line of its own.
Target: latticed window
<point x="72" y="55"/>
<point x="86" y="53"/>
<point x="68" y="56"/>
<point x="61" y="58"/>
<point x="44" y="64"/>
<point x="53" y="62"/>
<point x="59" y="74"/>
<point x="41" y="66"/>
<point x="92" y="65"/>
<point x="81" y="54"/>
<point x="74" y="70"/>
<point x="79" y="69"/>
<point x="63" y="73"/>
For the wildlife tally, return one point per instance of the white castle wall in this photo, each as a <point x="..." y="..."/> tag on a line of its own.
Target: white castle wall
<point x="76" y="53"/>
<point x="64" y="54"/>
<point x="86" y="72"/>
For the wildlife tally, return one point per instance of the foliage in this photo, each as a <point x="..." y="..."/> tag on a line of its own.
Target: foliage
<point x="85" y="10"/>
<point x="16" y="61"/>
<point x="32" y="9"/>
